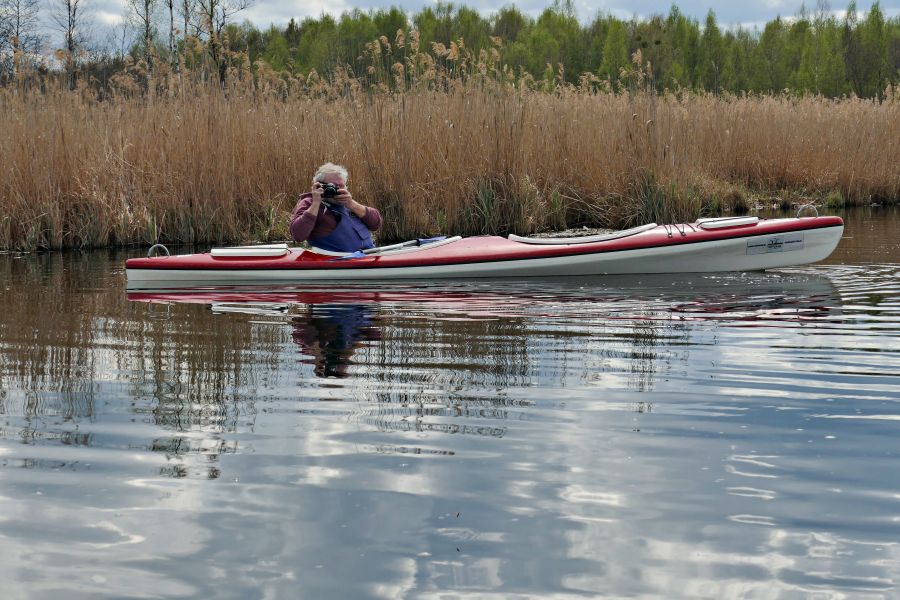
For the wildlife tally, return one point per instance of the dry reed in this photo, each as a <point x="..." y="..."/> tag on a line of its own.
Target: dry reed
<point x="462" y="155"/>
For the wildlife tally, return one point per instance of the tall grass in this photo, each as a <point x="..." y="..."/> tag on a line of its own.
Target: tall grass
<point x="440" y="146"/>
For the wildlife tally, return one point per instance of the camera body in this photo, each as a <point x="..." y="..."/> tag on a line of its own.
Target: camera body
<point x="329" y="190"/>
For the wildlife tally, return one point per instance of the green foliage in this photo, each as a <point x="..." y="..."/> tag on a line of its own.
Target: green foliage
<point x="355" y="30"/>
<point x="508" y="23"/>
<point x="835" y="199"/>
<point x="810" y="53"/>
<point x="556" y="211"/>
<point x="318" y="46"/>
<point x="277" y="53"/>
<point x="484" y="209"/>
<point x="615" y="51"/>
<point x="712" y="56"/>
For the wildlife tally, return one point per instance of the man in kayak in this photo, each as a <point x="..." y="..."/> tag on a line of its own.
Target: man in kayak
<point x="328" y="216"/>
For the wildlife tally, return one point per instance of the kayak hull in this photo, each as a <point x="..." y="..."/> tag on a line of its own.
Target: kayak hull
<point x="665" y="249"/>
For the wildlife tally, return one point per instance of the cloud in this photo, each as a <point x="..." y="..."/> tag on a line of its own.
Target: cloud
<point x="110" y="19"/>
<point x="279" y="12"/>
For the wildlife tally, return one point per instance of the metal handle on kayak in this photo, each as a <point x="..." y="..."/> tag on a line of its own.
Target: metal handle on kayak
<point x="155" y="247"/>
<point x="805" y="206"/>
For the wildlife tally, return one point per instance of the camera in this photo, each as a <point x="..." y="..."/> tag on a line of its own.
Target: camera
<point x="329" y="190"/>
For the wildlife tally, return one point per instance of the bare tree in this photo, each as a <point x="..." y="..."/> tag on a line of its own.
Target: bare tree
<point x="69" y="18"/>
<point x="18" y="31"/>
<point x="5" y="43"/>
<point x="117" y="39"/>
<point x="144" y="12"/>
<point x="121" y="38"/>
<point x="215" y="15"/>
<point x="188" y="11"/>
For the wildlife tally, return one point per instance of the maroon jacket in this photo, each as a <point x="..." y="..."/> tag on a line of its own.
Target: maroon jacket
<point x="306" y="226"/>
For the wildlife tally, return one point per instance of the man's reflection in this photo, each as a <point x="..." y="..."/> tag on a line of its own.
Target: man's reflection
<point x="330" y="333"/>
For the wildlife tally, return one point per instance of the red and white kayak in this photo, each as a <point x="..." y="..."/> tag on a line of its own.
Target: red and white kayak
<point x="708" y="245"/>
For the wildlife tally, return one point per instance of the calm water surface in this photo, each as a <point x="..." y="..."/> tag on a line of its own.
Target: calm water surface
<point x="730" y="435"/>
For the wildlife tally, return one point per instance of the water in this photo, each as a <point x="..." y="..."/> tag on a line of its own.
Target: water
<point x="731" y="435"/>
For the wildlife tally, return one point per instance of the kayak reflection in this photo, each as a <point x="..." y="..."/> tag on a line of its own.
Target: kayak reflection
<point x="612" y="332"/>
<point x="737" y="297"/>
<point x="330" y="333"/>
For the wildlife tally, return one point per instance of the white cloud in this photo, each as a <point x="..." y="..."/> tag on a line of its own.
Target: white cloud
<point x="108" y="18"/>
<point x="279" y="12"/>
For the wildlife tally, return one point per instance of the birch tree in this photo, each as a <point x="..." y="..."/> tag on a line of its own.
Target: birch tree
<point x="18" y="32"/>
<point x="143" y="13"/>
<point x="69" y="18"/>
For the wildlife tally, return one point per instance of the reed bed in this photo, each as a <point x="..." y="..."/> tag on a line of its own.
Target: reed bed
<point x="199" y="164"/>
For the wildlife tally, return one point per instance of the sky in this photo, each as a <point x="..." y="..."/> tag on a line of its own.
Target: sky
<point x="728" y="12"/>
<point x="748" y="13"/>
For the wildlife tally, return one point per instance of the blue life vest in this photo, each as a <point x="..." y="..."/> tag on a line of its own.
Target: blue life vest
<point x="350" y="234"/>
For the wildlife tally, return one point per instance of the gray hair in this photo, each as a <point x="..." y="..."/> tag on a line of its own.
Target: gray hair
<point x="331" y="168"/>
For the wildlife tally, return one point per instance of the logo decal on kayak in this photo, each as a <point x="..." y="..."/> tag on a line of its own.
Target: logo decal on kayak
<point x="775" y="243"/>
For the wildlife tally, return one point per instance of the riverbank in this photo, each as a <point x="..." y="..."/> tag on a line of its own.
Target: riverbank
<point x="472" y="159"/>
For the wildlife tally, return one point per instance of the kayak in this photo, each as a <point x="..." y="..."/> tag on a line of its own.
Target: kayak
<point x="707" y="245"/>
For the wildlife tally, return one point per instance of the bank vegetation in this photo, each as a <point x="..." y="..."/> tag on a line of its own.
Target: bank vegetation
<point x="441" y="139"/>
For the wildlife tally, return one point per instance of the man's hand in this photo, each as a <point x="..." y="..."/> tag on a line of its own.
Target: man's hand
<point x="317" y="192"/>
<point x="344" y="197"/>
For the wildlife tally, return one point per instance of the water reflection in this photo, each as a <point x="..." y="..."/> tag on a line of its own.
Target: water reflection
<point x="426" y="357"/>
<point x="406" y="339"/>
<point x="727" y="433"/>
<point x="330" y="333"/>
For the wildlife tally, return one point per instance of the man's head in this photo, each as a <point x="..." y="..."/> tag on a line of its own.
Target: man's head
<point x="332" y="173"/>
